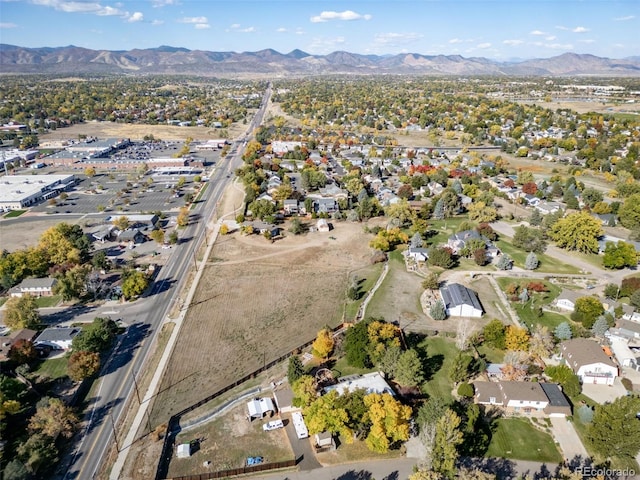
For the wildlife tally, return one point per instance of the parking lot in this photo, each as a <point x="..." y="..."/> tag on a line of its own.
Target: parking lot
<point x="122" y="192"/>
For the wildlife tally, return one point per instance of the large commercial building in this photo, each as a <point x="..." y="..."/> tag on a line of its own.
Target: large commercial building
<point x="20" y="191"/>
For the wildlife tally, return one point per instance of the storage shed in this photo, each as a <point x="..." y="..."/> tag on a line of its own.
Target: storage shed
<point x="259" y="407"/>
<point x="183" y="450"/>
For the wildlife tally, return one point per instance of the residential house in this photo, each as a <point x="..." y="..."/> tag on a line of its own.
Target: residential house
<point x="37" y="287"/>
<point x="624" y="355"/>
<point x="567" y="300"/>
<point x="267" y="197"/>
<point x="545" y="208"/>
<point x="531" y="200"/>
<point x="10" y="341"/>
<point x="588" y="361"/>
<point x="460" y="301"/>
<point x="58" y="338"/>
<point x="325" y="205"/>
<point x="458" y="241"/>
<point x="104" y="233"/>
<point x="627" y="329"/>
<point x="435" y="188"/>
<point x="523" y="397"/>
<point x="262" y="227"/>
<point x="418" y="254"/>
<point x="607" y="219"/>
<point x="630" y="313"/>
<point x="372" y="382"/>
<point x="291" y="207"/>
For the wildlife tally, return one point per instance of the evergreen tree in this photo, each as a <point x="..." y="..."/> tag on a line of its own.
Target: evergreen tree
<point x="295" y="370"/>
<point x="438" y="212"/>
<point x="563" y="331"/>
<point x="531" y="263"/>
<point x="438" y="311"/>
<point x="536" y="218"/>
<point x="504" y="262"/>
<point x="416" y="240"/>
<point x="600" y="326"/>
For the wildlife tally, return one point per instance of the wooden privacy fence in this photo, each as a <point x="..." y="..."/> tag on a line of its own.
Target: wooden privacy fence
<point x="240" y="471"/>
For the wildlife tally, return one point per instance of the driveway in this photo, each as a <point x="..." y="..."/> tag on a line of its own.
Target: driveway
<point x="603" y="393"/>
<point x="566" y="436"/>
<point x="301" y="447"/>
<point x="395" y="469"/>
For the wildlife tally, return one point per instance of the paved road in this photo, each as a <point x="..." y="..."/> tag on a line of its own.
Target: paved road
<point x="145" y="316"/>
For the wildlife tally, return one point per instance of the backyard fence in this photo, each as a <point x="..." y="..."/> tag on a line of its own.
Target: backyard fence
<point x="240" y="471"/>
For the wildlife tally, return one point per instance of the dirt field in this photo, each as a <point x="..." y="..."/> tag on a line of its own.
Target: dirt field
<point x="138" y="132"/>
<point x="16" y="236"/>
<point x="584" y="107"/>
<point x="258" y="300"/>
<point x="227" y="441"/>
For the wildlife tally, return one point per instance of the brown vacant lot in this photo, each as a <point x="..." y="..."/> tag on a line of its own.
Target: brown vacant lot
<point x="256" y="301"/>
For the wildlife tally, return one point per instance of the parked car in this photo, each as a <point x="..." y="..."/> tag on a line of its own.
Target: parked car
<point x="273" y="425"/>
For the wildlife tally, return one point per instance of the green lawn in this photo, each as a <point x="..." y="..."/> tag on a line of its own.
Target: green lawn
<point x="367" y="278"/>
<point x="517" y="438"/>
<point x="547" y="264"/>
<point x="528" y="311"/>
<point x="342" y="368"/>
<point x="490" y="354"/>
<point x="52" y="368"/>
<point x="52" y="301"/>
<point x="444" y="229"/>
<point x="441" y="353"/>
<point x="14" y="213"/>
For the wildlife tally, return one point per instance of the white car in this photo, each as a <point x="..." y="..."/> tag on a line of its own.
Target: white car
<point x="274" y="425"/>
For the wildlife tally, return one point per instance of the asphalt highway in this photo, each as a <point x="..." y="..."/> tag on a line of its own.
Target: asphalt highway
<point x="144" y="318"/>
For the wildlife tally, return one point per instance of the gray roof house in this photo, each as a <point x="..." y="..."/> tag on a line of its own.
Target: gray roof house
<point x="458" y="241"/>
<point x="131" y="235"/>
<point x="523" y="397"/>
<point x="58" y="338"/>
<point x="588" y="361"/>
<point x="37" y="287"/>
<point x="567" y="299"/>
<point x="460" y="301"/>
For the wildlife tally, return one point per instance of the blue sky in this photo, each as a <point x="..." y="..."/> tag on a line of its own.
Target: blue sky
<point x="497" y="29"/>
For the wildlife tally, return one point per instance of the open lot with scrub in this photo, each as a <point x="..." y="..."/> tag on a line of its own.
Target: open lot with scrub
<point x="256" y="301"/>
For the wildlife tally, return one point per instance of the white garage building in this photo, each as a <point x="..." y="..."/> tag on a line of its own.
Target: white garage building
<point x="460" y="301"/>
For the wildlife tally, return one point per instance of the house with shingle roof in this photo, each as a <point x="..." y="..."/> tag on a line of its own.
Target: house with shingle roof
<point x="460" y="301"/>
<point x="567" y="300"/>
<point x="37" y="287"/>
<point x="58" y="338"/>
<point x="588" y="361"/>
<point x="523" y="397"/>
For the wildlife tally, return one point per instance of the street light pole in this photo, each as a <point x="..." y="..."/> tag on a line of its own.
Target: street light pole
<point x="115" y="436"/>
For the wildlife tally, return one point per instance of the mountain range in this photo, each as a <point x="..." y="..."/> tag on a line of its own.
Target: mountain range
<point x="175" y="60"/>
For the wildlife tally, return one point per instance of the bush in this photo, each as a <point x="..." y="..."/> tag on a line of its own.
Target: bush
<point x="465" y="390"/>
<point x="628" y="384"/>
<point x="585" y="414"/>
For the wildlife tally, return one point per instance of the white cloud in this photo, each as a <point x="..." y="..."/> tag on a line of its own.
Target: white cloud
<point x="236" y="28"/>
<point x="537" y="32"/>
<point x="164" y="3"/>
<point x="135" y="17"/>
<point x="193" y="20"/>
<point x="580" y="30"/>
<point x="202" y="26"/>
<point x="346" y="15"/>
<point x="484" y="45"/>
<point x="587" y="40"/>
<point x="550" y="38"/>
<point x="281" y="30"/>
<point x="562" y="27"/>
<point x="80" y="7"/>
<point x="456" y="40"/>
<point x="553" y="46"/>
<point x="513" y="43"/>
<point x="299" y="31"/>
<point x="625" y="19"/>
<point x="155" y="23"/>
<point x="392" y="39"/>
<point x="8" y="25"/>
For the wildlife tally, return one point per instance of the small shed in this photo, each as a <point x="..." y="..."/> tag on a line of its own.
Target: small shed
<point x="283" y="397"/>
<point x="324" y="440"/>
<point x="183" y="450"/>
<point x="323" y="225"/>
<point x="259" y="407"/>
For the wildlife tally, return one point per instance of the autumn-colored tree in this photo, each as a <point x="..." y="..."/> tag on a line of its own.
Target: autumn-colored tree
<point x="385" y="240"/>
<point x="516" y="338"/>
<point x="157" y="236"/>
<point x="39" y="452"/>
<point x="21" y="312"/>
<point x="134" y="283"/>
<point x="578" y="231"/>
<point x="324" y="415"/>
<point x="480" y="212"/>
<point x="183" y="217"/>
<point x="304" y="391"/>
<point x="90" y="172"/>
<point x="382" y="335"/>
<point x="389" y="421"/>
<point x="83" y="365"/>
<point x="121" y="223"/>
<point x="22" y="351"/>
<point x="58" y="246"/>
<point x="53" y="418"/>
<point x="530" y="188"/>
<point x="540" y="343"/>
<point x="323" y="345"/>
